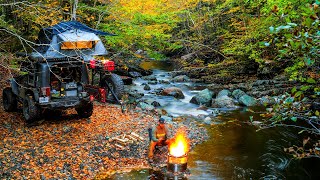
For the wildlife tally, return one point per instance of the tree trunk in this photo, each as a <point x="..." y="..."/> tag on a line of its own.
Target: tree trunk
<point x="74" y="10"/>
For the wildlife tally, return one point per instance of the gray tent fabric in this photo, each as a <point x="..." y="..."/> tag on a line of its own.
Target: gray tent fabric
<point x="50" y="40"/>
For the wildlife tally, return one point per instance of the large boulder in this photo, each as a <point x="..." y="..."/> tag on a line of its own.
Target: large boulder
<point x="238" y="93"/>
<point x="223" y="102"/>
<point x="204" y="97"/>
<point x="173" y="91"/>
<point x="247" y="100"/>
<point x="224" y="92"/>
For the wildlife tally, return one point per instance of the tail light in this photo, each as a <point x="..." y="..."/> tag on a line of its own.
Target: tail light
<point x="108" y="65"/>
<point x="45" y="91"/>
<point x="91" y="98"/>
<point x="92" y="63"/>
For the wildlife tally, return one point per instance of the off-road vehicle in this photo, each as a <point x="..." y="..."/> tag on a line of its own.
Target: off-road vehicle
<point x="57" y="73"/>
<point x="55" y="85"/>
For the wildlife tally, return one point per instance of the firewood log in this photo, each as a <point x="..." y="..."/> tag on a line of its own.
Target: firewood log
<point x="137" y="136"/>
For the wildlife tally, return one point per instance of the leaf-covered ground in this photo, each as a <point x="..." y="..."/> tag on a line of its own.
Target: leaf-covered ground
<point x="67" y="147"/>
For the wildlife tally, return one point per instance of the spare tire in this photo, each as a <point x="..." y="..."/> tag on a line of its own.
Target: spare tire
<point x="116" y="84"/>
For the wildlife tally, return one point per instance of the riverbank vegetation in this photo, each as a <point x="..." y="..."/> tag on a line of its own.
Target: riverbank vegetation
<point x="217" y="39"/>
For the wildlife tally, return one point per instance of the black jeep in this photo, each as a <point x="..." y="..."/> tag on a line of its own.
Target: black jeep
<point x="53" y="84"/>
<point x="57" y="73"/>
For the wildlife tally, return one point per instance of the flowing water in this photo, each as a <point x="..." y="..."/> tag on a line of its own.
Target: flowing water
<point x="235" y="149"/>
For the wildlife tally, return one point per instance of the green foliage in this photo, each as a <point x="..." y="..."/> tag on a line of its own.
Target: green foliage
<point x="296" y="40"/>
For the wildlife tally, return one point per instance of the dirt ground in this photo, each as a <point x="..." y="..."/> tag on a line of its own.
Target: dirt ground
<point x="67" y="147"/>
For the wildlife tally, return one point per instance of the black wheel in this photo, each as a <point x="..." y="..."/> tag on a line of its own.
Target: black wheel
<point x="9" y="100"/>
<point x="85" y="110"/>
<point x="31" y="111"/>
<point x="117" y="86"/>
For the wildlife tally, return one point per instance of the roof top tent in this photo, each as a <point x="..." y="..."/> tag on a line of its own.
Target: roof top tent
<point x="67" y="40"/>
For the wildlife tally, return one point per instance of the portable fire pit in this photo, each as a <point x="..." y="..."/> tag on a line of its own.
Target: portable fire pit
<point x="177" y="156"/>
<point x="177" y="164"/>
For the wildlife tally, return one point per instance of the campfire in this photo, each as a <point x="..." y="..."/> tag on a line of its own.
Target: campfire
<point x="178" y="149"/>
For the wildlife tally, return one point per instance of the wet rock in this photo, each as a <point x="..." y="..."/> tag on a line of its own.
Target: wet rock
<point x="150" y="78"/>
<point x="164" y="82"/>
<point x="224" y="92"/>
<point x="215" y="113"/>
<point x="155" y="104"/>
<point x="134" y="74"/>
<point x="146" y="87"/>
<point x="247" y="100"/>
<point x="145" y="106"/>
<point x="267" y="100"/>
<point x="135" y="94"/>
<point x="204" y="108"/>
<point x="177" y="73"/>
<point x="153" y="82"/>
<point x="204" y="97"/>
<point x="223" y="102"/>
<point x="238" y="93"/>
<point x="207" y="120"/>
<point x="173" y="91"/>
<point x="181" y="78"/>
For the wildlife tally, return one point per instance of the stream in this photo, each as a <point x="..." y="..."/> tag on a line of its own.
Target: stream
<point x="235" y="150"/>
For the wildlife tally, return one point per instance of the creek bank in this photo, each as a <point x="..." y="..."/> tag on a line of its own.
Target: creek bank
<point x="68" y="147"/>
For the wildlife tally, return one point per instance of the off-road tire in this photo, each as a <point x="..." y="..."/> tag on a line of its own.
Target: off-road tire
<point x="31" y="111"/>
<point x="9" y="100"/>
<point x="116" y="84"/>
<point x="85" y="110"/>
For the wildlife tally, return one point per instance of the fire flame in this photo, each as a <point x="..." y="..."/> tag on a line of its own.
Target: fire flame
<point x="180" y="145"/>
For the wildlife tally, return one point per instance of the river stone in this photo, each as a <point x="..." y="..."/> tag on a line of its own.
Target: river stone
<point x="223" y="102"/>
<point x="145" y="106"/>
<point x="204" y="97"/>
<point x="153" y="82"/>
<point x="224" y="92"/>
<point x="147" y="87"/>
<point x="164" y="82"/>
<point x="173" y="91"/>
<point x="155" y="104"/>
<point x="181" y="78"/>
<point x="150" y="78"/>
<point x="135" y="94"/>
<point x="134" y="74"/>
<point x="247" y="100"/>
<point x="238" y="93"/>
<point x="267" y="100"/>
<point x="207" y="120"/>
